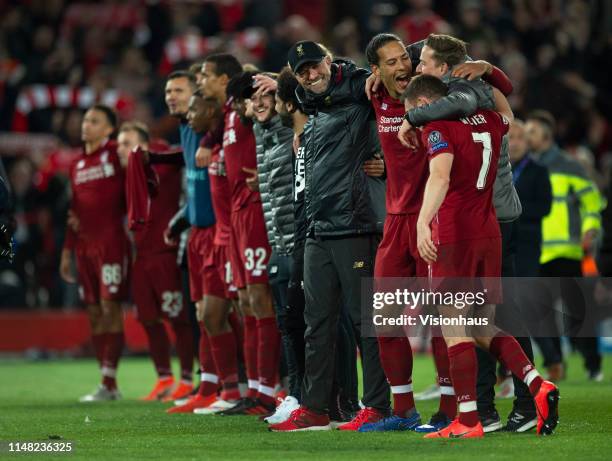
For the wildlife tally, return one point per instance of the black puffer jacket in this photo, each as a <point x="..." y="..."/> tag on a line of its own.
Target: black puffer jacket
<point x="341" y="200"/>
<point x="275" y="175"/>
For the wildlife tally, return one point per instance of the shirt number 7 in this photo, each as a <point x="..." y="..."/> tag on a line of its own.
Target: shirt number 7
<point x="485" y="140"/>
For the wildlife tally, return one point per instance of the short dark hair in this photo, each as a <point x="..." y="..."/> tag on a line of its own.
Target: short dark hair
<point x="225" y="64"/>
<point x="139" y="127"/>
<point x="545" y="118"/>
<point x="108" y="112"/>
<point x="286" y="84"/>
<point x="377" y="42"/>
<point x="240" y="85"/>
<point x="447" y="49"/>
<point x="425" y="85"/>
<point x="195" y="68"/>
<point x="190" y="76"/>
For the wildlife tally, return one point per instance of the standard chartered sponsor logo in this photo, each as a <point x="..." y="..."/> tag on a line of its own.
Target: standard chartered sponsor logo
<point x="389" y="124"/>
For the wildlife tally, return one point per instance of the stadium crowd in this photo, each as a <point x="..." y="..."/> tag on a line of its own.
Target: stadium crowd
<point x="254" y="182"/>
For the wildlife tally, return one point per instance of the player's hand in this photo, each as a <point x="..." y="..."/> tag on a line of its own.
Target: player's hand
<point x="371" y="85"/>
<point x="425" y="245"/>
<point x="203" y="157"/>
<point x="252" y="181"/>
<point x="65" y="268"/>
<point x="264" y="84"/>
<point x="170" y="239"/>
<point x="73" y="221"/>
<point x="588" y="240"/>
<point x="407" y="135"/>
<point x="374" y="167"/>
<point x="472" y="70"/>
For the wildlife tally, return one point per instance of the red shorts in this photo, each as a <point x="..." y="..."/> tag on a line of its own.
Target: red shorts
<point x="469" y="259"/>
<point x="103" y="271"/>
<point x="217" y="268"/>
<point x="397" y="254"/>
<point x="156" y="288"/>
<point x="251" y="241"/>
<point x="204" y="277"/>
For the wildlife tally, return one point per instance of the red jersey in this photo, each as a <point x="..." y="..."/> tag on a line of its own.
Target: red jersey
<point x="239" y="148"/>
<point x="98" y="196"/>
<point x="221" y="197"/>
<point x="406" y="168"/>
<point x="467" y="212"/>
<point x="164" y="205"/>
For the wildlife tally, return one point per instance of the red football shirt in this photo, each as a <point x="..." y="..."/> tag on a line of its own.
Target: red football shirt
<point x="467" y="212"/>
<point x="239" y="148"/>
<point x="221" y="196"/>
<point x="98" y="196"/>
<point x="406" y="168"/>
<point x="164" y="205"/>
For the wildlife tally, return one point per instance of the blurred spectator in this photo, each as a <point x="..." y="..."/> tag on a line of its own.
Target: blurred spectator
<point x="568" y="232"/>
<point x="28" y="234"/>
<point x="533" y="187"/>
<point x="419" y="21"/>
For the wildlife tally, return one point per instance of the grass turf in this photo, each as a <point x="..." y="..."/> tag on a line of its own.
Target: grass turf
<point x="38" y="399"/>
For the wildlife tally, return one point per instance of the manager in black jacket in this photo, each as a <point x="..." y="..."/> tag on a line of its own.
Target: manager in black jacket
<point x="345" y="215"/>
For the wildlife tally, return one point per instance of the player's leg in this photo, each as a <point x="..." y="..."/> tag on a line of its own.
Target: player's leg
<point x="268" y="342"/>
<point x="112" y="318"/>
<point x="149" y="314"/>
<point x="393" y="259"/>
<point x="456" y="260"/>
<point x="508" y="351"/>
<point x="255" y="254"/>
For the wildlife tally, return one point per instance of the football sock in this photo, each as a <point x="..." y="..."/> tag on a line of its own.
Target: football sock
<point x="508" y="351"/>
<point x="268" y="355"/>
<point x="112" y="354"/>
<point x="448" y="401"/>
<point x="250" y="355"/>
<point x="224" y="351"/>
<point x="184" y="348"/>
<point x="396" y="360"/>
<point x="99" y="345"/>
<point x="463" y="371"/>
<point x="209" y="380"/>
<point x="159" y="348"/>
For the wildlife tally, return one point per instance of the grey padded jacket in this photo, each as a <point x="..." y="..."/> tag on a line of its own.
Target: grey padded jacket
<point x="275" y="174"/>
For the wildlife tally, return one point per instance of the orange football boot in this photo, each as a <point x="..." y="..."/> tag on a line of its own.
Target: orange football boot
<point x="456" y="430"/>
<point x="182" y="390"/>
<point x="163" y="387"/>
<point x="197" y="401"/>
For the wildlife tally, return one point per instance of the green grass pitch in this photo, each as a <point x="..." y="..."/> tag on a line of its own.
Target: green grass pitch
<point x="38" y="399"/>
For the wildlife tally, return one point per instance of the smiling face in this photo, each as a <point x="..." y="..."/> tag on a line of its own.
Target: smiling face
<point x="263" y="107"/>
<point x="315" y="77"/>
<point x="428" y="65"/>
<point x="394" y="68"/>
